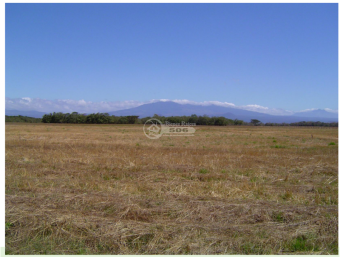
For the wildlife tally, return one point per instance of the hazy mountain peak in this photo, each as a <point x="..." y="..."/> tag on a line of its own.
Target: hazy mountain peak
<point x="169" y="108"/>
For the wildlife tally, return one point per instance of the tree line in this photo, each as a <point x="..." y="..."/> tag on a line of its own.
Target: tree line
<point x="20" y="118"/>
<point x="93" y="118"/>
<point x="105" y="118"/>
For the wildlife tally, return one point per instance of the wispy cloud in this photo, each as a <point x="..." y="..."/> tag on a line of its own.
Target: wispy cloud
<point x="82" y="106"/>
<point x="205" y="103"/>
<point x="314" y="109"/>
<point x="330" y="110"/>
<point x="262" y="109"/>
<point x="308" y="110"/>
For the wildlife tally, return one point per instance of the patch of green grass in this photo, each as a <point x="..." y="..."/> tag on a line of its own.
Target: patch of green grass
<point x="47" y="245"/>
<point x="279" y="146"/>
<point x="251" y="248"/>
<point x="334" y="249"/>
<point x="329" y="200"/>
<point x="278" y="216"/>
<point x="331" y="143"/>
<point x="203" y="171"/>
<point x="81" y="251"/>
<point x="248" y="173"/>
<point x="8" y="225"/>
<point x="253" y="179"/>
<point x="302" y="244"/>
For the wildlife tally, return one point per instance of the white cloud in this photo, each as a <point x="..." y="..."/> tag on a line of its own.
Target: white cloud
<point x="27" y="99"/>
<point x="262" y="109"/>
<point x="308" y="110"/>
<point x="205" y="103"/>
<point x="330" y="110"/>
<point x="82" y="106"/>
<point x="314" y="109"/>
<point x="256" y="106"/>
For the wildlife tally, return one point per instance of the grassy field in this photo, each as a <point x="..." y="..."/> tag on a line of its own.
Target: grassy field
<point x="108" y="189"/>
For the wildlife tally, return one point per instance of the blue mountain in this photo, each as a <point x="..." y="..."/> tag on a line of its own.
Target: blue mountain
<point x="174" y="109"/>
<point x="33" y="114"/>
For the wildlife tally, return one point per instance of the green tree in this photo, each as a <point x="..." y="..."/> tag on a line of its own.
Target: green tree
<point x="193" y="118"/>
<point x="47" y="118"/>
<point x="255" y="122"/>
<point x="131" y="119"/>
<point x="238" y="122"/>
<point x="203" y="120"/>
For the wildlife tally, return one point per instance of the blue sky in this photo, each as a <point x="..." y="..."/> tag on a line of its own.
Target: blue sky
<point x="267" y="55"/>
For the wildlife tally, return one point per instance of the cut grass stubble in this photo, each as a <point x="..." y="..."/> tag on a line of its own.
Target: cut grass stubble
<point x="91" y="189"/>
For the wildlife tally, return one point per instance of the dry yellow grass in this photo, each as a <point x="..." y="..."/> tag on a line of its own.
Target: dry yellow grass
<point x="98" y="189"/>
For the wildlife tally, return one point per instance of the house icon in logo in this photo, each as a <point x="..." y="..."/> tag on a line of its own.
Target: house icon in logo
<point x="153" y="129"/>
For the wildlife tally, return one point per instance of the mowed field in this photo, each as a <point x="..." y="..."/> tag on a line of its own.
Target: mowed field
<point x="108" y="189"/>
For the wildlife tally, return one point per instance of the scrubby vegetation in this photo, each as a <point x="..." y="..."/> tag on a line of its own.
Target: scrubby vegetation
<point x="21" y="119"/>
<point x="105" y="118"/>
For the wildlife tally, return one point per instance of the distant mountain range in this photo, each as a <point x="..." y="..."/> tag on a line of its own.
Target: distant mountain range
<point x="317" y="113"/>
<point x="33" y="114"/>
<point x="173" y="109"/>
